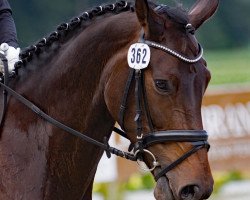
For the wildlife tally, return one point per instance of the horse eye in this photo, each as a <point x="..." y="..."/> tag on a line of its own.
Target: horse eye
<point x="163" y="85"/>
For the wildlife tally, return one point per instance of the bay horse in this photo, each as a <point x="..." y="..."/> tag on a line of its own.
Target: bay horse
<point x="79" y="76"/>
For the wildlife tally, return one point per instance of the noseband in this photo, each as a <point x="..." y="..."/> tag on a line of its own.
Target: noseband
<point x="198" y="138"/>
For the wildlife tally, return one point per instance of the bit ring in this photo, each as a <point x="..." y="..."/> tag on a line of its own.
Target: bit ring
<point x="144" y="168"/>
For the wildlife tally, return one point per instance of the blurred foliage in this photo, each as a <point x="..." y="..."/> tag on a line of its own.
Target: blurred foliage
<point x="34" y="19"/>
<point x="222" y="178"/>
<point x="138" y="182"/>
<point x="116" y="190"/>
<point x="146" y="182"/>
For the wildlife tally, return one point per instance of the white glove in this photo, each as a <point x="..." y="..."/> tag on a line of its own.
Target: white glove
<point x="11" y="53"/>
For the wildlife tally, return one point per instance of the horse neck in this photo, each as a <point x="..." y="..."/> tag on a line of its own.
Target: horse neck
<point x="76" y="68"/>
<point x="71" y="86"/>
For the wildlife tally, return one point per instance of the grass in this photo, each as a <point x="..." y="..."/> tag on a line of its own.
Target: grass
<point x="229" y="66"/>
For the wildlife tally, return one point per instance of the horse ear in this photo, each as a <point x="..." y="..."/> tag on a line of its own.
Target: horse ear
<point x="150" y="21"/>
<point x="201" y="11"/>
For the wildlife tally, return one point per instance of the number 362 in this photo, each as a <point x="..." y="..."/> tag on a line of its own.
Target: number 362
<point x="139" y="56"/>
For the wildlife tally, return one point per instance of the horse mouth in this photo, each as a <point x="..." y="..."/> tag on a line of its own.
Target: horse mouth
<point x="162" y="190"/>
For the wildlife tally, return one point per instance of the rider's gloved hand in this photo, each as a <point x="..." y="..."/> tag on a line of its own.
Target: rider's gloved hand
<point x="12" y="55"/>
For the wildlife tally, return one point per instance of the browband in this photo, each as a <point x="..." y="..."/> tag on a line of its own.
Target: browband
<point x="170" y="51"/>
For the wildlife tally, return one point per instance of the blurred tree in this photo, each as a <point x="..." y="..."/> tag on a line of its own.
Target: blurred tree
<point x="229" y="28"/>
<point x="36" y="18"/>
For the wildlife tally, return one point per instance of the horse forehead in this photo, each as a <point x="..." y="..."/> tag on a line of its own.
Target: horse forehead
<point x="182" y="42"/>
<point x="164" y="64"/>
<point x="180" y="73"/>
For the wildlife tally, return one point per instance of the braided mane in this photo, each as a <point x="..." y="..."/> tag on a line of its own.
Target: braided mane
<point x="79" y="23"/>
<point x="63" y="30"/>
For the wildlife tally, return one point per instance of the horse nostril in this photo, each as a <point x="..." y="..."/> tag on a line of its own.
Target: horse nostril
<point x="189" y="192"/>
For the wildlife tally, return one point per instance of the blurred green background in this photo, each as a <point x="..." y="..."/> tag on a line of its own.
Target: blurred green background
<point x="228" y="29"/>
<point x="225" y="38"/>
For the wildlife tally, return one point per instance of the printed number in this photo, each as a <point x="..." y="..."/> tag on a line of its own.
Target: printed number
<point x="133" y="58"/>
<point x="138" y="55"/>
<point x="145" y="54"/>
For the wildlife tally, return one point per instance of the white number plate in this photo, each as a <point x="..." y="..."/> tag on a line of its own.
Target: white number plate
<point x="139" y="56"/>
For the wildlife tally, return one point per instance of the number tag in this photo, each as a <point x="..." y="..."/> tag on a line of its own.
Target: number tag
<point x="139" y="56"/>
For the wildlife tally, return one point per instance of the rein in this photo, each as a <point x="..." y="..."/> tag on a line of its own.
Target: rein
<point x="5" y="94"/>
<point x="198" y="138"/>
<point x="104" y="145"/>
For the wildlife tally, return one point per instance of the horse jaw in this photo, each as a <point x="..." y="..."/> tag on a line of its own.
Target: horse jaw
<point x="162" y="190"/>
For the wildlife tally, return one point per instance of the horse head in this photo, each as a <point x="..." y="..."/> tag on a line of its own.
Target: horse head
<point x="173" y="84"/>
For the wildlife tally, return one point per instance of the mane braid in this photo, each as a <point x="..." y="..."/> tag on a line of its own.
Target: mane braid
<point x="65" y="28"/>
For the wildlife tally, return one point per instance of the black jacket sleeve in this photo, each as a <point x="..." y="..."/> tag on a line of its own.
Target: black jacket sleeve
<point x="4" y="5"/>
<point x="7" y="25"/>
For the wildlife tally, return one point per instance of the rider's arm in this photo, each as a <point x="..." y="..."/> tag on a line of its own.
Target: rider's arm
<point x="8" y="36"/>
<point x="7" y="26"/>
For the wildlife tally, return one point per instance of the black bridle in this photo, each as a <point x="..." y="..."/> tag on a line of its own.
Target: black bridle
<point x="198" y="138"/>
